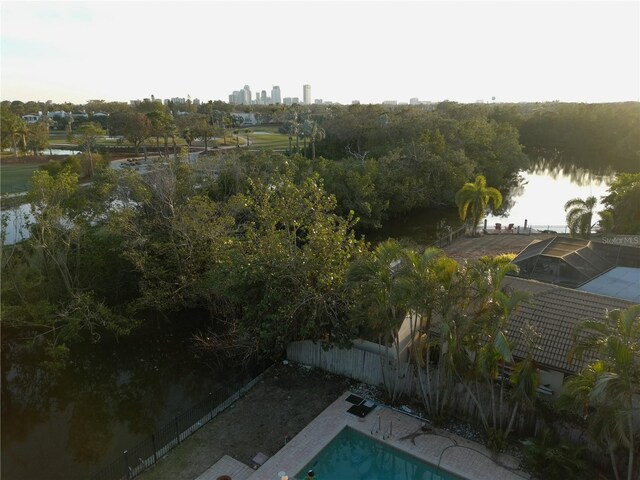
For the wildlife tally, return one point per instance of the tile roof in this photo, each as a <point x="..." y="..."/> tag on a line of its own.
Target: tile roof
<point x="553" y="311"/>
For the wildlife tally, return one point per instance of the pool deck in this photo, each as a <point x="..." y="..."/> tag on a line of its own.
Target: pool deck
<point x="462" y="457"/>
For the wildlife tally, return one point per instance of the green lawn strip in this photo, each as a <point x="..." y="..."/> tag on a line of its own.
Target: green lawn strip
<point x="16" y="178"/>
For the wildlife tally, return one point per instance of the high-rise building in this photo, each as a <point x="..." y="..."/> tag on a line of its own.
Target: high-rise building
<point x="237" y="97"/>
<point x="275" y="95"/>
<point x="306" y="94"/>
<point x="247" y="95"/>
<point x="263" y="97"/>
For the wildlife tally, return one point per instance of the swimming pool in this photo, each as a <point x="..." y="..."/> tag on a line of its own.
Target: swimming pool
<point x="352" y="455"/>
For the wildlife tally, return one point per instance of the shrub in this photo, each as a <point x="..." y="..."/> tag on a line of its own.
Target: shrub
<point x="549" y="459"/>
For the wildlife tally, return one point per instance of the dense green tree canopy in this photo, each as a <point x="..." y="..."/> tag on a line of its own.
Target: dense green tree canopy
<point x="623" y="202"/>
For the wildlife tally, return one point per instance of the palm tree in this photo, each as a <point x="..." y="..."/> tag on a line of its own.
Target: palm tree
<point x="579" y="216"/>
<point x="21" y="131"/>
<point x="606" y="387"/>
<point x="473" y="199"/>
<point x="315" y="134"/>
<point x="15" y="128"/>
<point x="486" y="338"/>
<point x="380" y="298"/>
<point x="425" y="278"/>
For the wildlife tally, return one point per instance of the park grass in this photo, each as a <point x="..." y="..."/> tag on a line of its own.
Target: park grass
<point x="271" y="140"/>
<point x="15" y="178"/>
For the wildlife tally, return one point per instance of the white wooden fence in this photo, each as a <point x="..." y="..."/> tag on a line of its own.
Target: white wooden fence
<point x="362" y="365"/>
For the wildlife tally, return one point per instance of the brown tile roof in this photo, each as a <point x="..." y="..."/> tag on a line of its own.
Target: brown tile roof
<point x="553" y="311"/>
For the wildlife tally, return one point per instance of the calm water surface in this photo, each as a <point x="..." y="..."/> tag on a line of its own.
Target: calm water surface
<point x="68" y="424"/>
<point x="539" y="198"/>
<point x="354" y="456"/>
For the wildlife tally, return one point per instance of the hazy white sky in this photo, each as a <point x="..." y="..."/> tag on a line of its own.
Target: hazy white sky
<point x="370" y="51"/>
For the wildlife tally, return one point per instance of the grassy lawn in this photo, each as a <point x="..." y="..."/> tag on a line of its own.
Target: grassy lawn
<point x="268" y="138"/>
<point x="16" y="178"/>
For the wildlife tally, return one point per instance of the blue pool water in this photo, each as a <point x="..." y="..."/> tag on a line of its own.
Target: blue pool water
<point x="354" y="456"/>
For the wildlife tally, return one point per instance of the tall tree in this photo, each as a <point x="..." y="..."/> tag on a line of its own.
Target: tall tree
<point x="37" y="136"/>
<point x="605" y="389"/>
<point x="49" y="283"/>
<point x="422" y="277"/>
<point x="285" y="273"/>
<point x="88" y="135"/>
<point x="315" y="134"/>
<point x="381" y="301"/>
<point x="473" y="200"/>
<point x="161" y="122"/>
<point x="14" y="130"/>
<point x="622" y="202"/>
<point x="134" y="126"/>
<point x="580" y="216"/>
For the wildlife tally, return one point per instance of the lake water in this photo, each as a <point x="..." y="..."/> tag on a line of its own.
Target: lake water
<point x="539" y="199"/>
<point x="68" y="425"/>
<point x="542" y="194"/>
<point x="62" y="151"/>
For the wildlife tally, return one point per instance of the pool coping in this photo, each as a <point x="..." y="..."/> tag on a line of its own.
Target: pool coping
<point x="450" y="452"/>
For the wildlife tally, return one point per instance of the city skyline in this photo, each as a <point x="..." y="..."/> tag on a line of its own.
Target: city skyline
<point x="517" y="51"/>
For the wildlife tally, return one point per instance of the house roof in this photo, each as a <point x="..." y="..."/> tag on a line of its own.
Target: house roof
<point x="572" y="262"/>
<point x="554" y="311"/>
<point x="619" y="282"/>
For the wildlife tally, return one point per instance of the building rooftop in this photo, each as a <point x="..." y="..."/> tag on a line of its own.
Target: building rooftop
<point x="554" y="311"/>
<point x="619" y="282"/>
<point x="573" y="262"/>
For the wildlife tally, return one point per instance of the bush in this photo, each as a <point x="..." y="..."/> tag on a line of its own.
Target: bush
<point x="548" y="458"/>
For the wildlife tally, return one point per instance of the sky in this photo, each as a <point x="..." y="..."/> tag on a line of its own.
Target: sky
<point x="515" y="51"/>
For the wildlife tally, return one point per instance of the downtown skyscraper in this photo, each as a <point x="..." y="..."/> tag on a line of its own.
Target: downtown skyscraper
<point x="306" y="94"/>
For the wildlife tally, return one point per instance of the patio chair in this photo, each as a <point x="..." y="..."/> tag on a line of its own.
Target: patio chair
<point x="498" y="227"/>
<point x="510" y="228"/>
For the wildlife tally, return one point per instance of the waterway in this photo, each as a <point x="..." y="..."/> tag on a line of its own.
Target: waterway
<point x="68" y="423"/>
<point x="538" y="199"/>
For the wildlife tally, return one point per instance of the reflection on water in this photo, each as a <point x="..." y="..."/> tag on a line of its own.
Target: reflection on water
<point x="77" y="419"/>
<point x="555" y="168"/>
<point x="541" y="194"/>
<point x="538" y="196"/>
<point x="418" y="228"/>
<point x="62" y="151"/>
<point x="15" y="223"/>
